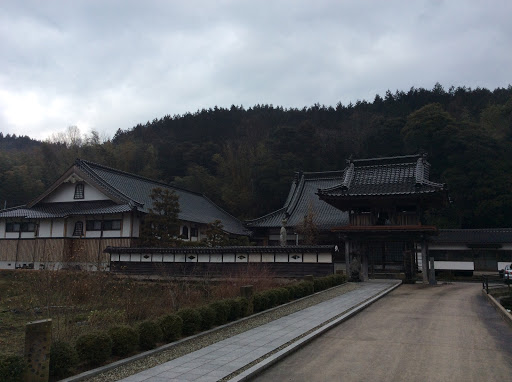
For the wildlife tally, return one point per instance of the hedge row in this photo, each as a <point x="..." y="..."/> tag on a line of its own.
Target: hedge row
<point x="96" y="348"/>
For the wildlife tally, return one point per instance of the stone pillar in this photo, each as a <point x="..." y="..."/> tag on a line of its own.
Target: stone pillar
<point x="432" y="272"/>
<point x="347" y="259"/>
<point x="424" y="261"/>
<point x="38" y="339"/>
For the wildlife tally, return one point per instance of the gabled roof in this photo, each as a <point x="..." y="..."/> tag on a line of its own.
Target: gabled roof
<point x="391" y="176"/>
<point x="301" y="199"/>
<point x="128" y="192"/>
<point x="62" y="210"/>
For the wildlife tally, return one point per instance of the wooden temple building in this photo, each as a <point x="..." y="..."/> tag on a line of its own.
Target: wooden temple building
<point x="385" y="199"/>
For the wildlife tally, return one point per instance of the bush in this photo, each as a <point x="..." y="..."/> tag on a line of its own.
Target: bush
<point x="283" y="296"/>
<point x="244" y="306"/>
<point x="261" y="301"/>
<point x="273" y="297"/>
<point x="172" y="326"/>
<point x="293" y="291"/>
<point x="207" y="317"/>
<point x="191" y="320"/>
<point x="222" y="310"/>
<point x="94" y="348"/>
<point x="63" y="358"/>
<point x="234" y="309"/>
<point x="149" y="334"/>
<point x="12" y="368"/>
<point x="124" y="340"/>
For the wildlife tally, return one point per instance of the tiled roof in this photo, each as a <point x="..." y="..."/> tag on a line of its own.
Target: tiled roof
<point x="60" y="210"/>
<point x="129" y="192"/>
<point x="384" y="176"/>
<point x="212" y="250"/>
<point x="474" y="236"/>
<point x="301" y="199"/>
<point x="136" y="189"/>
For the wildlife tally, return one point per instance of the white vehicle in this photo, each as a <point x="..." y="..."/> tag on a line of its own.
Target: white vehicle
<point x="507" y="273"/>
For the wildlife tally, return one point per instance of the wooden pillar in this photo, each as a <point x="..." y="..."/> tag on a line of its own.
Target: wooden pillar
<point x="364" y="262"/>
<point x="424" y="261"/>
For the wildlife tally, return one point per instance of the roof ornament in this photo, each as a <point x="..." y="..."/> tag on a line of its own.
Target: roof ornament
<point x="419" y="172"/>
<point x="282" y="233"/>
<point x="349" y="175"/>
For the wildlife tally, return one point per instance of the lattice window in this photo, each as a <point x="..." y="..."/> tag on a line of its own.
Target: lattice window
<point x="79" y="229"/>
<point x="79" y="191"/>
<point x="184" y="232"/>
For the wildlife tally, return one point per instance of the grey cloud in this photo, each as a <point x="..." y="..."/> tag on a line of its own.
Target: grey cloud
<point x="113" y="64"/>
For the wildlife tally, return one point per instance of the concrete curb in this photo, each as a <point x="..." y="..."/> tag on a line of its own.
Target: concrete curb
<point x="499" y="308"/>
<point x="274" y="358"/>
<point x="102" y="369"/>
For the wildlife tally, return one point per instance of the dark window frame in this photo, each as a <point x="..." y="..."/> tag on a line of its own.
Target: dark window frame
<point x="20" y="227"/>
<point x="79" y="228"/>
<point x="103" y="225"/>
<point x="79" y="191"/>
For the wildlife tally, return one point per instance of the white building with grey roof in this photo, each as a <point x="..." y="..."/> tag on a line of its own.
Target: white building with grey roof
<point x="89" y="208"/>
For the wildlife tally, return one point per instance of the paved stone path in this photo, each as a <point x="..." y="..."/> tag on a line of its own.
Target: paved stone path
<point x="226" y="357"/>
<point x="449" y="332"/>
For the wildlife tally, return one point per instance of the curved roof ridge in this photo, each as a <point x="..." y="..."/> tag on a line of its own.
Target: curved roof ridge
<point x="84" y="165"/>
<point x="140" y="177"/>
<point x="282" y="209"/>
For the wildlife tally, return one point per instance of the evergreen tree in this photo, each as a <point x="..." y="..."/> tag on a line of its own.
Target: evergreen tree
<point x="160" y="227"/>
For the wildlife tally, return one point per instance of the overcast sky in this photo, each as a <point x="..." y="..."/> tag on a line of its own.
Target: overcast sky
<point x="108" y="64"/>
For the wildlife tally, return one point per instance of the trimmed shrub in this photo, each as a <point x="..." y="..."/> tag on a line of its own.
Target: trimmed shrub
<point x="283" y="296"/>
<point x="149" y="334"/>
<point x="207" y="317"/>
<point x="222" y="310"/>
<point x="191" y="321"/>
<point x="260" y="302"/>
<point x="12" y="368"/>
<point x="305" y="288"/>
<point x="273" y="297"/>
<point x="321" y="284"/>
<point x="94" y="348"/>
<point x="63" y="357"/>
<point x="244" y="306"/>
<point x="293" y="291"/>
<point x="234" y="309"/>
<point x="172" y="326"/>
<point x="124" y="340"/>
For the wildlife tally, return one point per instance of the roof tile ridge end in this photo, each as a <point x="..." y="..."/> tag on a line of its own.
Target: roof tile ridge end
<point x="86" y="165"/>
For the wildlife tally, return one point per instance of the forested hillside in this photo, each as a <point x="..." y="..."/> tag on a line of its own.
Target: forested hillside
<point x="245" y="158"/>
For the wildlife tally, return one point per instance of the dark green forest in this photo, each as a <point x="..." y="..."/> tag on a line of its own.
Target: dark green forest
<point x="245" y="158"/>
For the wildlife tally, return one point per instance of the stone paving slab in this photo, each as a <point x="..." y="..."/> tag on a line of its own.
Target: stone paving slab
<point x="226" y="357"/>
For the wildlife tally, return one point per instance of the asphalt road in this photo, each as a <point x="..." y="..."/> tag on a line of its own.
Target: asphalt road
<point x="448" y="332"/>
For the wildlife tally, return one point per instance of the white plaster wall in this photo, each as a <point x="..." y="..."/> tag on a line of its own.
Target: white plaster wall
<point x="127" y="218"/>
<point x="455" y="265"/>
<point x="7" y="265"/>
<point x="58" y="228"/>
<point x="136" y="226"/>
<point x="66" y="192"/>
<point x="12" y="235"/>
<point x="45" y="228"/>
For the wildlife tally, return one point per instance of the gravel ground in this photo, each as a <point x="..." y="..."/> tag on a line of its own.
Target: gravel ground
<point x="205" y="339"/>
